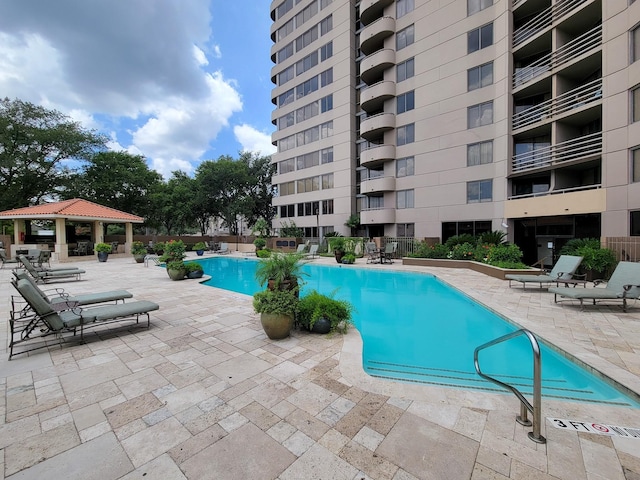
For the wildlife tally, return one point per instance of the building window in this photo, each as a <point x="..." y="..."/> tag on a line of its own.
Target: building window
<point x="326" y="25"/>
<point x="285" y="52"/>
<point x="635" y="165"/>
<point x="310" y="184"/>
<point x="283" y="8"/>
<point x="327" y="207"/>
<point x="481" y="114"/>
<point x="287" y="188"/>
<point x="326" y="155"/>
<point x="635" y="104"/>
<point x="286" y="121"/>
<point x="635" y="224"/>
<point x="406" y="230"/>
<point x="306" y="14"/>
<point x="326" y="77"/>
<point x="327" y="181"/>
<point x="474" y="6"/>
<point x="305" y="88"/>
<point x="405" y="167"/>
<point x="405" y="102"/>
<point x="479" y="77"/>
<point x="326" y="129"/>
<point x="479" y="153"/>
<point x="635" y="44"/>
<point x="286" y="75"/>
<point x="480" y="38"/>
<point x="286" y="143"/>
<point x="307" y="160"/>
<point x="404" y="37"/>
<point x="406" y="134"/>
<point x="325" y="3"/>
<point x="326" y="103"/>
<point x="375" y="203"/>
<point x="450" y="229"/>
<point x="287" y="211"/>
<point x="405" y="70"/>
<point x="403" y="7"/>
<point x="307" y="112"/>
<point x="307" y="63"/>
<point x="404" y="199"/>
<point x="326" y="51"/>
<point x="480" y="191"/>
<point x="286" y="166"/>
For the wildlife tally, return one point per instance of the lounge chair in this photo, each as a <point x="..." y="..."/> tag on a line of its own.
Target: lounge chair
<point x="59" y="296"/>
<point x="42" y="319"/>
<point x="44" y="257"/>
<point x="301" y="248"/>
<point x="49" y="274"/>
<point x="389" y="252"/>
<point x="624" y="285"/>
<point x="313" y="251"/>
<point x="372" y="252"/>
<point x="8" y="261"/>
<point x="224" y="248"/>
<point x="564" y="269"/>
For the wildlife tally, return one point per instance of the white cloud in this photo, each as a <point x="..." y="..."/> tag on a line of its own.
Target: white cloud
<point x="253" y="140"/>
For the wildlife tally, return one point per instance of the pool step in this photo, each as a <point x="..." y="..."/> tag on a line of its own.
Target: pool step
<point x="551" y="388"/>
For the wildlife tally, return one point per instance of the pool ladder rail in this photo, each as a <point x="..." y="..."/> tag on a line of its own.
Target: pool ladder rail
<point x="536" y="408"/>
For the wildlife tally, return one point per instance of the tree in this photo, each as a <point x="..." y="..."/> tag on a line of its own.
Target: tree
<point x="117" y="179"/>
<point x="172" y="204"/>
<point x="33" y="143"/>
<point x="261" y="170"/>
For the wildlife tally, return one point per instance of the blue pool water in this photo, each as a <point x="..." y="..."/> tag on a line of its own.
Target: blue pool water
<point x="415" y="328"/>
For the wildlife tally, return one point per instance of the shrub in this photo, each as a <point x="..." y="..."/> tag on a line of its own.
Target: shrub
<point x="264" y="253"/>
<point x="459" y="240"/>
<point x="102" y="247"/>
<point x="193" y="267"/>
<point x="158" y="247"/>
<point x="199" y="246"/>
<point x="281" y="267"/>
<point x="174" y="250"/>
<point x="282" y="302"/>
<point x="463" y="251"/>
<point x="260" y="243"/>
<point x="424" y="250"/>
<point x="572" y="246"/>
<point x="138" y="248"/>
<point x="497" y="237"/>
<point x="314" y="306"/>
<point x="348" y="258"/>
<point x="337" y="244"/>
<point x="505" y="256"/>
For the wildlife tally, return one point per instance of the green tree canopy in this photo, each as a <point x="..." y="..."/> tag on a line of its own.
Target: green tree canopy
<point x="34" y="141"/>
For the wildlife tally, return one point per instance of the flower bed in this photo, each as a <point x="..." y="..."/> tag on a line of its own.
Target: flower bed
<point x="490" y="270"/>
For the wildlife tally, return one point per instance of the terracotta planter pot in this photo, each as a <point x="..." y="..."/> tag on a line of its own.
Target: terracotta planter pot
<point x="276" y="326"/>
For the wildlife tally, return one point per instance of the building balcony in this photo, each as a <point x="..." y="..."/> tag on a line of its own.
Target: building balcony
<point x="578" y="97"/>
<point x="582" y="45"/>
<point x="375" y="156"/>
<point x="372" y="98"/>
<point x="576" y="150"/>
<point x="544" y="20"/>
<point x="377" y="216"/>
<point x="373" y="127"/>
<point x="573" y="201"/>
<point x="373" y="66"/>
<point x="378" y="185"/>
<point x="372" y="9"/>
<point x="372" y="36"/>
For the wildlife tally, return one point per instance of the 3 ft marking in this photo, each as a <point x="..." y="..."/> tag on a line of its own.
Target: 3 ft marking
<point x="597" y="428"/>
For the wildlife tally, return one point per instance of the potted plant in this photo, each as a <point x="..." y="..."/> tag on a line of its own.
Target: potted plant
<point x="199" y="248"/>
<point x="596" y="263"/>
<point x="338" y="246"/>
<point x="158" y="248"/>
<point x="194" y="270"/>
<point x="323" y="313"/>
<point x="174" y="254"/>
<point x="277" y="309"/>
<point x="139" y="251"/>
<point x="259" y="243"/>
<point x="281" y="271"/>
<point x="103" y="250"/>
<point x="348" y="258"/>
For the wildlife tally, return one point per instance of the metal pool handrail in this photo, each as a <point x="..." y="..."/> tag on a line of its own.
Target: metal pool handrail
<point x="536" y="408"/>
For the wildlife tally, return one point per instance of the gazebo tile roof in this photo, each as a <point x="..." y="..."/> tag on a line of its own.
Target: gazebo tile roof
<point x="76" y="208"/>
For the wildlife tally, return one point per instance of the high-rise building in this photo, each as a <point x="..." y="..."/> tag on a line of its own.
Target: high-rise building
<point x="431" y="118"/>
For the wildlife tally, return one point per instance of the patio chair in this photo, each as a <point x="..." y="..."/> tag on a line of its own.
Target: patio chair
<point x="81" y="249"/>
<point x="301" y="248"/>
<point x="43" y="257"/>
<point x="564" y="269"/>
<point x="624" y="285"/>
<point x="313" y="251"/>
<point x="50" y="274"/>
<point x="59" y="296"/>
<point x="372" y="252"/>
<point x="389" y="252"/>
<point x="46" y="319"/>
<point x="8" y="261"/>
<point x="223" y="249"/>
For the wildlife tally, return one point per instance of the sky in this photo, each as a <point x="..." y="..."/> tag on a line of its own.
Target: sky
<point x="177" y="81"/>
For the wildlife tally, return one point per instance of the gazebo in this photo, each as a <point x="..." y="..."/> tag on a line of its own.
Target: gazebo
<point x="67" y="212"/>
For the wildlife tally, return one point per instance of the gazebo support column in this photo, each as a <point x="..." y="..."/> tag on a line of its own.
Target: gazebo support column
<point x="61" y="247"/>
<point x="98" y="232"/>
<point x="128" y="230"/>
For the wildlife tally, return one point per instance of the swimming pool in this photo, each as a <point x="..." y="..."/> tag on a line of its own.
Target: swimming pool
<point x="416" y="328"/>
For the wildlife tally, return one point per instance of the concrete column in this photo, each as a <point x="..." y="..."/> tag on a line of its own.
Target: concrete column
<point x="128" y="228"/>
<point x="98" y="232"/>
<point x="61" y="248"/>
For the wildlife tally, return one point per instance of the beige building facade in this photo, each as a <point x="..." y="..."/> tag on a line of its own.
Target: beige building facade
<point x="434" y="118"/>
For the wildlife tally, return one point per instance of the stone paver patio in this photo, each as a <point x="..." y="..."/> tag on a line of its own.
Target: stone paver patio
<point x="203" y="394"/>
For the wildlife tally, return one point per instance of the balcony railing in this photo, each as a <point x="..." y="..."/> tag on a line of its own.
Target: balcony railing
<point x="543" y="20"/>
<point x="581" y="188"/>
<point x="517" y="3"/>
<point x="575" y="149"/>
<point x="584" y="94"/>
<point x="573" y="49"/>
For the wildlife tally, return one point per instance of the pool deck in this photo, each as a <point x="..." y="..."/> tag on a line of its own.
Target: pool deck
<point x="204" y="394"/>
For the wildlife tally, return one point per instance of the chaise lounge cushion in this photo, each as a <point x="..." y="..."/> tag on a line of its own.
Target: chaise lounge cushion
<point x="564" y="269"/>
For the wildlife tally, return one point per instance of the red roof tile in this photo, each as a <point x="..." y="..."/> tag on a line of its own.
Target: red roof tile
<point x="76" y="208"/>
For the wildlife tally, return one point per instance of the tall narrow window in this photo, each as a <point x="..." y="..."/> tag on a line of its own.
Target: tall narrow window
<point x="480" y="38"/>
<point x="405" y="102"/>
<point x="405" y="134"/>
<point x="635" y="165"/>
<point x="403" y="7"/>
<point x="481" y="114"/>
<point x="405" y="70"/>
<point x="404" y="199"/>
<point x="635" y="44"/>
<point x="479" y="153"/>
<point x="404" y="37"/>
<point x="474" y="6"/>
<point x="405" y="167"/>
<point x="635" y="104"/>
<point x="478" y="77"/>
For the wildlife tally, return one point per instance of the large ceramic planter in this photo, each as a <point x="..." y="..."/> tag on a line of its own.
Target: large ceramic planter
<point x="139" y="258"/>
<point x="176" y="274"/>
<point x="339" y="254"/>
<point x="321" y="325"/>
<point x="197" y="274"/>
<point x="102" y="256"/>
<point x="199" y="252"/>
<point x="276" y="326"/>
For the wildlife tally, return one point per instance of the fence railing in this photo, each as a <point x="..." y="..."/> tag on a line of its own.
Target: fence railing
<point x="543" y="20"/>
<point x="574" y="149"/>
